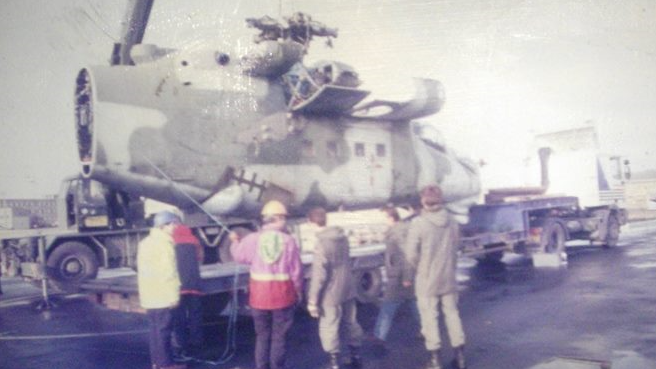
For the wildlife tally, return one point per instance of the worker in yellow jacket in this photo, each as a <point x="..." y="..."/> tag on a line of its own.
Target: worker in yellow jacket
<point x="159" y="287"/>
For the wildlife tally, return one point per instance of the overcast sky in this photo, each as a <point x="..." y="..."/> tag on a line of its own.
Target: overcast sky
<point x="511" y="69"/>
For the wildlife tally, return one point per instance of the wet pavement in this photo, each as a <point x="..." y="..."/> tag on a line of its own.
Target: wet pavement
<point x="600" y="309"/>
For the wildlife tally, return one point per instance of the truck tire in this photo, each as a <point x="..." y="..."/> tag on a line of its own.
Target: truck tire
<point x="224" y="245"/>
<point x="553" y="237"/>
<point x="368" y="285"/>
<point x="70" y="264"/>
<point x="612" y="231"/>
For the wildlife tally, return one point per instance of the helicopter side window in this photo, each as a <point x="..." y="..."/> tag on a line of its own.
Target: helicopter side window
<point x="359" y="149"/>
<point x="381" y="150"/>
<point x="332" y="149"/>
<point x="308" y="149"/>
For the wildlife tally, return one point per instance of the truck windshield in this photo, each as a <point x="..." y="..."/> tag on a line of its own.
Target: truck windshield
<point x="91" y="192"/>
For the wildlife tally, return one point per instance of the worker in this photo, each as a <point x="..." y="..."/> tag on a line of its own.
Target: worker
<point x="396" y="294"/>
<point x="331" y="297"/>
<point x="187" y="322"/>
<point x="275" y="283"/>
<point x="431" y="249"/>
<point x="159" y="287"/>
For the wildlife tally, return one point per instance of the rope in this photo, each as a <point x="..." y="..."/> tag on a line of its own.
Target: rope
<point x="231" y="330"/>
<point x="186" y="194"/>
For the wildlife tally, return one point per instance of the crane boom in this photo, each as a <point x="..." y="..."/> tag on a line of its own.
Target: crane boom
<point x="134" y="28"/>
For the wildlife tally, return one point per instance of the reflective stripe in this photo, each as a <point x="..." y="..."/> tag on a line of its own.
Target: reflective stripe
<point x="270" y="276"/>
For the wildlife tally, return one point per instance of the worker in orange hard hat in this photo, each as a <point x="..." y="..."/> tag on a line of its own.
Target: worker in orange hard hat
<point x="275" y="282"/>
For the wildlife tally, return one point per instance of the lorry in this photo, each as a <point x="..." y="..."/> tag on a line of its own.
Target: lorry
<point x="218" y="132"/>
<point x="530" y="220"/>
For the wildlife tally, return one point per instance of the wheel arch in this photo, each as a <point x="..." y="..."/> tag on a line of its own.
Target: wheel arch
<point x="87" y="240"/>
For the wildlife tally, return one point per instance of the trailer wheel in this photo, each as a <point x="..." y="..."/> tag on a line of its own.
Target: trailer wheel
<point x="553" y="238"/>
<point x="70" y="264"/>
<point x="224" y="246"/>
<point x="368" y="285"/>
<point x="612" y="232"/>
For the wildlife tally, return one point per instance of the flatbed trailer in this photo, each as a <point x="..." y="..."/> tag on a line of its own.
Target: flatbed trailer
<point x="221" y="281"/>
<point x="537" y="224"/>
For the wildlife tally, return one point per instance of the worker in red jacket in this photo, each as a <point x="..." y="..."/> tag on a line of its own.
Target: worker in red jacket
<point x="188" y="315"/>
<point x="275" y="283"/>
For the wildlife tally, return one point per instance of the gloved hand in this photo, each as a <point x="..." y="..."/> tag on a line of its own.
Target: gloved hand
<point x="313" y="310"/>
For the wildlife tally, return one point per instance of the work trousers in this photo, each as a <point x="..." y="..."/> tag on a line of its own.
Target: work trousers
<point x="271" y="327"/>
<point x="161" y="325"/>
<point x="386" y="314"/>
<point x="188" y="318"/>
<point x="429" y="311"/>
<point x="339" y="320"/>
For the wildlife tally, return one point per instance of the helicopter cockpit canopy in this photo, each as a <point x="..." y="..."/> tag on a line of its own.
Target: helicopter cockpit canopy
<point x="326" y="87"/>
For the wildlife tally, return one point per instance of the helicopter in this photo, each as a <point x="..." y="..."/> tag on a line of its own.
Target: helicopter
<point x="230" y="128"/>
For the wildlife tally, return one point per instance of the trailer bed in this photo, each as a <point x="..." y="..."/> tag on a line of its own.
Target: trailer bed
<point x="218" y="278"/>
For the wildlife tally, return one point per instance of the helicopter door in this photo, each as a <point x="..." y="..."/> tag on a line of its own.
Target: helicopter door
<point x="370" y="162"/>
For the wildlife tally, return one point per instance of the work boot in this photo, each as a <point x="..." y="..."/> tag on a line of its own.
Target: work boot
<point x="334" y="361"/>
<point x="434" y="362"/>
<point x="356" y="359"/>
<point x="459" y="359"/>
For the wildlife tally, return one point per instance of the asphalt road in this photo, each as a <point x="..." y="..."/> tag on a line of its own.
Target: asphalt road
<point x="600" y="307"/>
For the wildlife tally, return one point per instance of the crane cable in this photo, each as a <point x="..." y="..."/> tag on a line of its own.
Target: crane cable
<point x="231" y="330"/>
<point x="198" y="205"/>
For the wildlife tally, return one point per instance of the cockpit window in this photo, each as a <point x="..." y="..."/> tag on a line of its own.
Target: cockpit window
<point x="359" y="149"/>
<point x="308" y="149"/>
<point x="381" y="150"/>
<point x="332" y="149"/>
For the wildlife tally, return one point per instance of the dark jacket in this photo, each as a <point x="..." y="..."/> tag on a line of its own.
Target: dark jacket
<point x="331" y="282"/>
<point x="395" y="262"/>
<point x="188" y="253"/>
<point x="431" y="251"/>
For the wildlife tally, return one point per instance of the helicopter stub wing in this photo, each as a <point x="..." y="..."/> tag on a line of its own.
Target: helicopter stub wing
<point x="329" y="99"/>
<point x="429" y="99"/>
